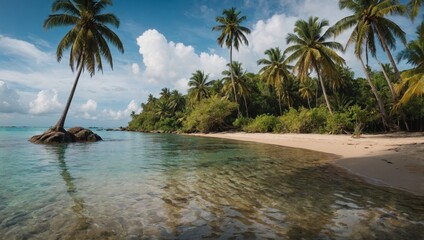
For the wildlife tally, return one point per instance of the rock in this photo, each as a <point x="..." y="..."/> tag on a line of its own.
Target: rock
<point x="51" y="136"/>
<point x="84" y="135"/>
<point x="75" y="134"/>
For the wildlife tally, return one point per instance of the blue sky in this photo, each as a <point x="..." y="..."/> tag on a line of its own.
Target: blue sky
<point x="165" y="41"/>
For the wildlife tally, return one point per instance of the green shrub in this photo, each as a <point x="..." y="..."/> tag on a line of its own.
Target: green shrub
<point x="168" y="124"/>
<point x="303" y="121"/>
<point x="262" y="123"/>
<point x="241" y="122"/>
<point x="209" y="115"/>
<point x="144" y="122"/>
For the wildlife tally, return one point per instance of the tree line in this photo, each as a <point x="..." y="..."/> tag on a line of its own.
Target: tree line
<point x="307" y="87"/>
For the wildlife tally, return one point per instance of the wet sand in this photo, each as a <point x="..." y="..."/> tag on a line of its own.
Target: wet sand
<point x="395" y="160"/>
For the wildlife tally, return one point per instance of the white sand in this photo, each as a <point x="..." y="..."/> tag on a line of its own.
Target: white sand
<point x="394" y="160"/>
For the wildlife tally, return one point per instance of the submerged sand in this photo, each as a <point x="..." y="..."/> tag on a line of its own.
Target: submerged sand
<point x="394" y="160"/>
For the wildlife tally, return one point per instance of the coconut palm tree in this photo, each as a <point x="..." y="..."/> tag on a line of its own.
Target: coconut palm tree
<point x="275" y="72"/>
<point x="413" y="79"/>
<point x="370" y="18"/>
<point x="199" y="86"/>
<point x="241" y="83"/>
<point x="88" y="39"/>
<point x="177" y="101"/>
<point x="165" y="93"/>
<point x="307" y="90"/>
<point x="312" y="51"/>
<point x="232" y="35"/>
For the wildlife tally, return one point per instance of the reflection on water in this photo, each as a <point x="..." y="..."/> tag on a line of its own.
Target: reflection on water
<point x="165" y="186"/>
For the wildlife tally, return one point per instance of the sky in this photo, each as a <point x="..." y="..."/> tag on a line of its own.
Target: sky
<point x="165" y="41"/>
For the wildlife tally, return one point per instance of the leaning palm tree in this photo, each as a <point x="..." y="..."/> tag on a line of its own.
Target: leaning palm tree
<point x="413" y="79"/>
<point x="232" y="35"/>
<point x="88" y="39"/>
<point x="199" y="86"/>
<point x="369" y="19"/>
<point x="275" y="72"/>
<point x="241" y="83"/>
<point x="313" y="51"/>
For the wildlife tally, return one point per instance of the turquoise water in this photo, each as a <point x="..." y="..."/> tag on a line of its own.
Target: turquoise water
<point x="149" y="186"/>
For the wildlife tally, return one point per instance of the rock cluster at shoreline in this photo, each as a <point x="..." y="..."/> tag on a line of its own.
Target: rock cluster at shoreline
<point x="75" y="134"/>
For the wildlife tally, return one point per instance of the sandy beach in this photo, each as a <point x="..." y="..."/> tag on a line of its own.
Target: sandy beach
<point x="395" y="160"/>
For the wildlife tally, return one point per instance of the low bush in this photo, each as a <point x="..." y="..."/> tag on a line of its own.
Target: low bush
<point x="261" y="124"/>
<point x="209" y="115"/>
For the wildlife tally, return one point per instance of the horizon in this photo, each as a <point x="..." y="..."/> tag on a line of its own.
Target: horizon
<point x="159" y="52"/>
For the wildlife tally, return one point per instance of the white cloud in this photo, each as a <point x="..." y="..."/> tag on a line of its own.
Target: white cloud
<point x="167" y="62"/>
<point x="89" y="106"/>
<point x="135" y="68"/>
<point x="9" y="100"/>
<point x="23" y="49"/>
<point x="46" y="102"/>
<point x="110" y="114"/>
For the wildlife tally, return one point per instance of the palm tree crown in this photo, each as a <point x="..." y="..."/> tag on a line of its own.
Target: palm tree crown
<point x="275" y="72"/>
<point x="232" y="33"/>
<point x="313" y="52"/>
<point x="89" y="35"/>
<point x="199" y="86"/>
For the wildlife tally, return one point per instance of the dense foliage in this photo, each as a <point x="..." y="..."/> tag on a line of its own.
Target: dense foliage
<point x="318" y="94"/>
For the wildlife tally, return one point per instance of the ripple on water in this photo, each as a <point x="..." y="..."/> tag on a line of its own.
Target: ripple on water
<point x="142" y="186"/>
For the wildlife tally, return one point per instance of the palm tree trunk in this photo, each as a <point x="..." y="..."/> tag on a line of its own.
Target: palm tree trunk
<point x="389" y="54"/>
<point x="323" y="90"/>
<point x="394" y="96"/>
<point x="245" y="104"/>
<point x="279" y="103"/>
<point x="309" y="102"/>
<point x="232" y="80"/>
<point x="377" y="96"/>
<point x="60" y="124"/>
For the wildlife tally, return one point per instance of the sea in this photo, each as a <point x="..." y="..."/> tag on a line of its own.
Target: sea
<point x="167" y="186"/>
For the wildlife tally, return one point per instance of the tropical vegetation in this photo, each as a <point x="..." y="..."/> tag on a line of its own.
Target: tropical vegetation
<point x="307" y="87"/>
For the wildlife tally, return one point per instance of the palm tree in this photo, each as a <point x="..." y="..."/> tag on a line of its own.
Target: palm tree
<point x="232" y="35"/>
<point x="199" y="86"/>
<point x="275" y="72"/>
<point x="241" y="83"/>
<point x="313" y="52"/>
<point x="369" y="20"/>
<point x="88" y="38"/>
<point x="177" y="101"/>
<point x="307" y="90"/>
<point x="165" y="93"/>
<point x="413" y="79"/>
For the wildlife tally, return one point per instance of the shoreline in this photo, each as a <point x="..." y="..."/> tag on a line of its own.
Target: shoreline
<point x="393" y="160"/>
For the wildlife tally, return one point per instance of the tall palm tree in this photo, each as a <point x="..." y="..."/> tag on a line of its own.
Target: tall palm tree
<point x="312" y="51"/>
<point x="275" y="72"/>
<point x="199" y="86"/>
<point x="232" y="35"/>
<point x="370" y="18"/>
<point x="241" y="83"/>
<point x="413" y="79"/>
<point x="88" y="38"/>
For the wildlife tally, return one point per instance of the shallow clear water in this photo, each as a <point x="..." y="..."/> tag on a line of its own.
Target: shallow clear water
<point x="149" y="186"/>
